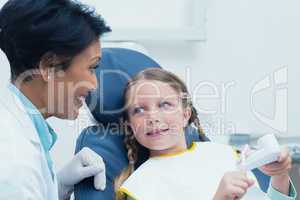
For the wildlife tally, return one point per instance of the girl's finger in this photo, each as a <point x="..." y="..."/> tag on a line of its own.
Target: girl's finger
<point x="251" y="182"/>
<point x="238" y="192"/>
<point x="240" y="175"/>
<point x="278" y="166"/>
<point x="244" y="177"/>
<point x="278" y="171"/>
<point x="246" y="150"/>
<point x="273" y="165"/>
<point x="241" y="184"/>
<point x="284" y="154"/>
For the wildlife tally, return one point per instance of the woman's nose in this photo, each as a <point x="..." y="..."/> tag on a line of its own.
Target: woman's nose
<point x="94" y="83"/>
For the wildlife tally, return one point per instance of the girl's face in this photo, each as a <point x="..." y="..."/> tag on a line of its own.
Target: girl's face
<point x="68" y="88"/>
<point x="156" y="116"/>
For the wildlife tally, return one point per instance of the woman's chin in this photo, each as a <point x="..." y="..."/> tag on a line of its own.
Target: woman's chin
<point x="74" y="115"/>
<point x="69" y="115"/>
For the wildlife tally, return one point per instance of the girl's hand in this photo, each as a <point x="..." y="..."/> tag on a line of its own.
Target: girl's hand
<point x="279" y="171"/>
<point x="233" y="186"/>
<point x="279" y="168"/>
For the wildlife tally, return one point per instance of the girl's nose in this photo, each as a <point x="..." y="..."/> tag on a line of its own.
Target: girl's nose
<point x="153" y="121"/>
<point x="153" y="117"/>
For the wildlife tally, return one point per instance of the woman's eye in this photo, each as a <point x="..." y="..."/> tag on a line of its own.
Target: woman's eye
<point x="92" y="70"/>
<point x="138" y="110"/>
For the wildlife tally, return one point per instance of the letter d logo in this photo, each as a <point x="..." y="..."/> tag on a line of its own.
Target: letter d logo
<point x="278" y="82"/>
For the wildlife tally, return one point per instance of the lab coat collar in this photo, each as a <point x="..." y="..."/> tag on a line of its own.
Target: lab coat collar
<point x="43" y="133"/>
<point x="12" y="104"/>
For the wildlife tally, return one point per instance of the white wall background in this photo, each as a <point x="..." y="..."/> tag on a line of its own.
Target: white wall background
<point x="246" y="40"/>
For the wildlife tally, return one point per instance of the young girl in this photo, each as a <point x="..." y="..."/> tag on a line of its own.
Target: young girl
<point x="158" y="110"/>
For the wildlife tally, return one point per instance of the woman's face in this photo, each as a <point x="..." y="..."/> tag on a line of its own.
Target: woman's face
<point x="67" y="89"/>
<point x="156" y="115"/>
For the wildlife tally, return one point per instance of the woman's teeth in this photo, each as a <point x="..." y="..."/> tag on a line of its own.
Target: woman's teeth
<point x="80" y="101"/>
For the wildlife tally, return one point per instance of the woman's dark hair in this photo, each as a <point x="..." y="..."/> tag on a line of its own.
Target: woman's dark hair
<point x="31" y="29"/>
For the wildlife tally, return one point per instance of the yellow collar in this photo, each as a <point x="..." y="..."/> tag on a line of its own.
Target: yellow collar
<point x="190" y="149"/>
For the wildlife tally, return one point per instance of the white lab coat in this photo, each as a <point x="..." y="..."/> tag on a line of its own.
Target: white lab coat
<point x="24" y="173"/>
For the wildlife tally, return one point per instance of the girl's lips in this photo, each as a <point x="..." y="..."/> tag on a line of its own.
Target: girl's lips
<point x="156" y="133"/>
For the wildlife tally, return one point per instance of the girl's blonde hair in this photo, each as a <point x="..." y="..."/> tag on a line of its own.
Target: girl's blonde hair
<point x="151" y="74"/>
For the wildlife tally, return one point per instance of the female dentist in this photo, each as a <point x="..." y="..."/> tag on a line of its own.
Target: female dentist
<point x="52" y="47"/>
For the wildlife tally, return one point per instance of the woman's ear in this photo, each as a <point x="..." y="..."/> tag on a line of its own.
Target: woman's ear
<point x="187" y="113"/>
<point x="45" y="74"/>
<point x="46" y="66"/>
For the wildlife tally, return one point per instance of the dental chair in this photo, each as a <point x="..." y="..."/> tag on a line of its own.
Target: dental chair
<point x="117" y="66"/>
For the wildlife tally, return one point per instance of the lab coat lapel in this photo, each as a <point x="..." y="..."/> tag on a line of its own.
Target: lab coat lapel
<point x="13" y="104"/>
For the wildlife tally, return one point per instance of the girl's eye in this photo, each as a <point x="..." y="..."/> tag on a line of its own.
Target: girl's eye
<point x="138" y="110"/>
<point x="165" y="104"/>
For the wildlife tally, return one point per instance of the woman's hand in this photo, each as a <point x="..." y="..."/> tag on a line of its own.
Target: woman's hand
<point x="233" y="185"/>
<point x="86" y="163"/>
<point x="279" y="171"/>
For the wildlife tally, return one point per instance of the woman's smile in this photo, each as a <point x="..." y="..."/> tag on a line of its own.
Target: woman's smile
<point x="79" y="101"/>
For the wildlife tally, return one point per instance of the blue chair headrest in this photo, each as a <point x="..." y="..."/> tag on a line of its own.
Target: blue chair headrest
<point x="116" y="68"/>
